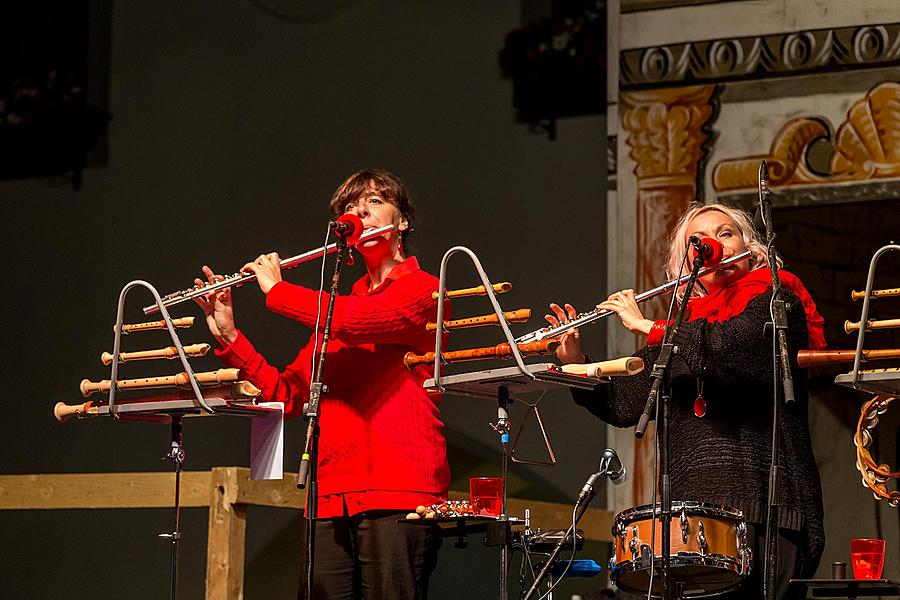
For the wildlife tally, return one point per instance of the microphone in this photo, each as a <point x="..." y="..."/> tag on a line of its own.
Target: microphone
<point x="764" y="179"/>
<point x="610" y="466"/>
<point x="759" y="217"/>
<point x="348" y="226"/>
<point x="615" y="470"/>
<point x="710" y="250"/>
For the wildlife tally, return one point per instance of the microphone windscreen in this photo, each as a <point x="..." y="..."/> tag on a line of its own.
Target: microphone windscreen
<point x="712" y="252"/>
<point x="354" y="227"/>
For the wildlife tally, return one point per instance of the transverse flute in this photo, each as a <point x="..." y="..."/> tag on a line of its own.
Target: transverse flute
<point x="596" y="314"/>
<point x="240" y="278"/>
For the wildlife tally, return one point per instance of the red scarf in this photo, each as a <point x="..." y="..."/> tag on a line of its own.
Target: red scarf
<point x="731" y="301"/>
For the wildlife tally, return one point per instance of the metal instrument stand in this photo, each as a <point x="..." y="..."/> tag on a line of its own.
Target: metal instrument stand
<point x="876" y="383"/>
<point x="176" y="455"/>
<point x="176" y="452"/>
<point x="502" y="426"/>
<point x="499" y="384"/>
<point x="174" y="411"/>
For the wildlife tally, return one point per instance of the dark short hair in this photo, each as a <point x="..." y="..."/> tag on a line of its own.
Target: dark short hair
<point x="385" y="184"/>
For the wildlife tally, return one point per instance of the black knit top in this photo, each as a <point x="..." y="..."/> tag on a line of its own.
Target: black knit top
<point x="724" y="457"/>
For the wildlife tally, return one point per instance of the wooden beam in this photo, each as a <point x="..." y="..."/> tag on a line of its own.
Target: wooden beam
<point x="227" y="491"/>
<point x="226" y="537"/>
<point x="278" y="493"/>
<point x="102" y="490"/>
<point x="156" y="490"/>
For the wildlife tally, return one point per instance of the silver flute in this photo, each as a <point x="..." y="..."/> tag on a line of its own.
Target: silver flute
<point x="596" y="314"/>
<point x="240" y="278"/>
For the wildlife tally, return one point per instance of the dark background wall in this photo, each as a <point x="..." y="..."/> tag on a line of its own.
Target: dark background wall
<point x="231" y="127"/>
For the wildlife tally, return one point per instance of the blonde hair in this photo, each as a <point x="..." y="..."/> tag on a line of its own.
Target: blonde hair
<point x="743" y="222"/>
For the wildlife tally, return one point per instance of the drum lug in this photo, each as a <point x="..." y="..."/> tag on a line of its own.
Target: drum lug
<point x="684" y="526"/>
<point x="744" y="548"/>
<point x="701" y="538"/>
<point x="619" y="532"/>
<point x="645" y="553"/>
<point x="635" y="543"/>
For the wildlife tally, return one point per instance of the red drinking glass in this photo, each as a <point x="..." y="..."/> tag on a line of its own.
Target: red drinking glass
<point x="867" y="558"/>
<point x="486" y="494"/>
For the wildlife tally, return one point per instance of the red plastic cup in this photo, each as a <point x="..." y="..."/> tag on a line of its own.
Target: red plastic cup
<point x="867" y="558"/>
<point x="486" y="495"/>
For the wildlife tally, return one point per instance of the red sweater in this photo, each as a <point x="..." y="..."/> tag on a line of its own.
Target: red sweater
<point x="381" y="444"/>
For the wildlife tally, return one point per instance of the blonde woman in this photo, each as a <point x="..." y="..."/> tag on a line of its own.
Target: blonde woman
<point x="721" y="405"/>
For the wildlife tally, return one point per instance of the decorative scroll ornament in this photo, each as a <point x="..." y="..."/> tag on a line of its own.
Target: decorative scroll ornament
<point x="665" y="133"/>
<point x="867" y="147"/>
<point x="868" y="142"/>
<point x="757" y="57"/>
<point x="874" y="476"/>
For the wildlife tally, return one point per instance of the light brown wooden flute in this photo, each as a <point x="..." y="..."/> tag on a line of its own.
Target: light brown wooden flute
<point x="851" y="326"/>
<point x="165" y="381"/>
<point x="629" y="365"/>
<point x="499" y="288"/>
<point x="499" y="351"/>
<point x="855" y="295"/>
<point x="63" y="412"/>
<point x="181" y="323"/>
<point x="239" y="391"/>
<point x="811" y="358"/>
<point x="169" y="352"/>
<point x="514" y="316"/>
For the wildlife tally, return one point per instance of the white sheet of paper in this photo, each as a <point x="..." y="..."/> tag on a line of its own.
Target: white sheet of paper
<point x="267" y="443"/>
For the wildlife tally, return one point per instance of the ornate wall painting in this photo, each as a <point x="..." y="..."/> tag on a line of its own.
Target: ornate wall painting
<point x="671" y="129"/>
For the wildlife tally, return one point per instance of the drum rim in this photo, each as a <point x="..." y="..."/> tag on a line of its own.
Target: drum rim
<point x="682" y="559"/>
<point x="692" y="506"/>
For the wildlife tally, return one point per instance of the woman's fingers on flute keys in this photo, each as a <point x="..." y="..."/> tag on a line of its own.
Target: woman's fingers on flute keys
<point x="559" y="316"/>
<point x="569" y="349"/>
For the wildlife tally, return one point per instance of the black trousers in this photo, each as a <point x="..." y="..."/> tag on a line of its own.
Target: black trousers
<point x="371" y="555"/>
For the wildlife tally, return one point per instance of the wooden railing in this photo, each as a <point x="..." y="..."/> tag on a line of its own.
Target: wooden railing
<point x="227" y="492"/>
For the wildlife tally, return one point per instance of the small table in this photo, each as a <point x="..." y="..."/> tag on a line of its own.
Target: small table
<point x="849" y="588"/>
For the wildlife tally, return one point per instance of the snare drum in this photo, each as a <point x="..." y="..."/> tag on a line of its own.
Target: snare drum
<point x="708" y="549"/>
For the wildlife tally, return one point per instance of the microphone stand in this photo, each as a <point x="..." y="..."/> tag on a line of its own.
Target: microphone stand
<point x="781" y="376"/>
<point x="584" y="499"/>
<point x="661" y="388"/>
<point x="308" y="462"/>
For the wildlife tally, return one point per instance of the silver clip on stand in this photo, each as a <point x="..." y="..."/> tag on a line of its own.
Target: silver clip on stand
<point x="176" y="452"/>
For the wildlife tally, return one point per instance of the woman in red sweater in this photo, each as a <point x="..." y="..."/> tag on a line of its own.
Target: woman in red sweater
<point x="381" y="449"/>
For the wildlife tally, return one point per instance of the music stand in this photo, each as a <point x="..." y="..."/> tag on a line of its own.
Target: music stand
<point x="878" y="381"/>
<point x="173" y="412"/>
<point x="170" y="411"/>
<point x="496" y="383"/>
<point x="499" y="384"/>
